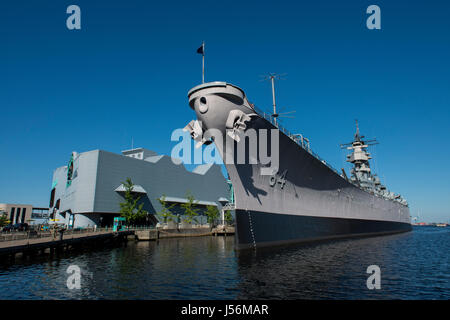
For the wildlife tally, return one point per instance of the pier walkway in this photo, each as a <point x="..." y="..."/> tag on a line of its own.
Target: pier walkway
<point x="32" y="242"/>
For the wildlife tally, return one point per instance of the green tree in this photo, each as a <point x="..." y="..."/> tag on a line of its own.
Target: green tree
<point x="190" y="208"/>
<point x="130" y="209"/>
<point x="3" y="220"/>
<point x="165" y="213"/>
<point x="212" y="214"/>
<point x="228" y="217"/>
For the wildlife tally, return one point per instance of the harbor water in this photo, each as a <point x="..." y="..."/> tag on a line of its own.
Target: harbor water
<point x="414" y="265"/>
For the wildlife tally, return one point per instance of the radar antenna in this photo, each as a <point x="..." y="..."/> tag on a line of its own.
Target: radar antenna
<point x="275" y="115"/>
<point x="358" y="138"/>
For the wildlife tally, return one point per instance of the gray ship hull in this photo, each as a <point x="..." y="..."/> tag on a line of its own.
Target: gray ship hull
<point x="260" y="229"/>
<point x="314" y="202"/>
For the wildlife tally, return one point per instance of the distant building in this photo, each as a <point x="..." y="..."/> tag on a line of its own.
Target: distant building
<point x="89" y="189"/>
<point x="39" y="213"/>
<point x="16" y="213"/>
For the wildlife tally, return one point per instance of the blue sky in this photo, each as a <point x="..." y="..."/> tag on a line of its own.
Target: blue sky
<point x="127" y="72"/>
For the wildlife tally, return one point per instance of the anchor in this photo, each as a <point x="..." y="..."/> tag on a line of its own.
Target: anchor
<point x="196" y="131"/>
<point x="236" y="123"/>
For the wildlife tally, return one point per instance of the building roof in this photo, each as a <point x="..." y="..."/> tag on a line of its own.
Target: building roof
<point x="184" y="200"/>
<point x="202" y="168"/>
<point x="136" y="188"/>
<point x="147" y="152"/>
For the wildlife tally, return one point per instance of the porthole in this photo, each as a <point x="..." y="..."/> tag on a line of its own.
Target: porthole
<point x="203" y="107"/>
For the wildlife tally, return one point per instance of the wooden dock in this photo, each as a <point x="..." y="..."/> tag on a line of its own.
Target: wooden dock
<point x="223" y="231"/>
<point x="29" y="244"/>
<point x="160" y="233"/>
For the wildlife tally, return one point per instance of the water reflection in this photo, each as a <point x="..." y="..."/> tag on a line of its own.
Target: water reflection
<point x="337" y="269"/>
<point x="413" y="266"/>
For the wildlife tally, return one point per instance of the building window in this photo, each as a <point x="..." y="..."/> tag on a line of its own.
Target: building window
<point x="17" y="216"/>
<point x="69" y="172"/>
<point x="11" y="216"/>
<point x="24" y="212"/>
<point x="52" y="197"/>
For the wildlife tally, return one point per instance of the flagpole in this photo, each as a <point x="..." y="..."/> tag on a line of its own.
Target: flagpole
<point x="203" y="63"/>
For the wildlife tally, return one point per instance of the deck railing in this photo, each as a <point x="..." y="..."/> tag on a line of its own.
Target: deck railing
<point x="35" y="234"/>
<point x="293" y="137"/>
<point x="307" y="148"/>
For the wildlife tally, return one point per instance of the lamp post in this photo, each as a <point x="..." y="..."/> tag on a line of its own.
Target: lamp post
<point x="223" y="202"/>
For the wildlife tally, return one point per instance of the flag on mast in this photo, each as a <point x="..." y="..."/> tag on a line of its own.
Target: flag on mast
<point x="201" y="50"/>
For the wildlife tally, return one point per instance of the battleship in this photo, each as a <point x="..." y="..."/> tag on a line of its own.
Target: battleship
<point x="303" y="198"/>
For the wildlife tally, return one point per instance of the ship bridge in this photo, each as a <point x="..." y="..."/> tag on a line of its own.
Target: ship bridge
<point x="361" y="174"/>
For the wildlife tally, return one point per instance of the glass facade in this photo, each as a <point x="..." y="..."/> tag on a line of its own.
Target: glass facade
<point x="11" y="216"/>
<point x="24" y="212"/>
<point x="17" y="220"/>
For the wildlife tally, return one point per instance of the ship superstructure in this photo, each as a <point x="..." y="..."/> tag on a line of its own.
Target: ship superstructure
<point x="361" y="173"/>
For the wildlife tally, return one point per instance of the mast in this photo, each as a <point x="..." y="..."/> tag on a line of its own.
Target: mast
<point x="357" y="135"/>
<point x="272" y="77"/>
<point x="203" y="62"/>
<point x="274" y="115"/>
